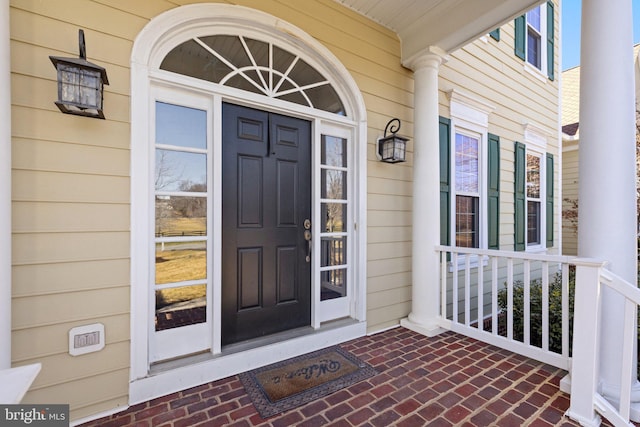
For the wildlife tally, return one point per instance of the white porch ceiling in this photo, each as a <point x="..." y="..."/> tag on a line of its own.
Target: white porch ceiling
<point x="447" y="24"/>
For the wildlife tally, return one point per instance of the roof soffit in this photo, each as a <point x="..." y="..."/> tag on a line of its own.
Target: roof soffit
<point x="447" y="24"/>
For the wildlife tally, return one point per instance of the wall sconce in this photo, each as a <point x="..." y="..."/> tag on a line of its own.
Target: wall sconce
<point x="80" y="83"/>
<point x="392" y="148"/>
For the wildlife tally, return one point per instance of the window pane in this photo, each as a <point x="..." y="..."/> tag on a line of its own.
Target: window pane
<point x="326" y="98"/>
<point x="191" y="59"/>
<point x="533" y="18"/>
<point x="466" y="164"/>
<point x="181" y="216"/>
<point x="533" y="223"/>
<point x="467" y="222"/>
<point x="333" y="251"/>
<point x="334" y="151"/>
<point x="334" y="284"/>
<point x="180" y="171"/>
<point x="333" y="216"/>
<point x="333" y="184"/>
<point x="181" y="126"/>
<point x="180" y="261"/>
<point x="533" y="176"/>
<point x="182" y="306"/>
<point x="533" y="49"/>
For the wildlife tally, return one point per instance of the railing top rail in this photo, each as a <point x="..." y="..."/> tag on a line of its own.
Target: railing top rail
<point x="508" y="254"/>
<point x="627" y="289"/>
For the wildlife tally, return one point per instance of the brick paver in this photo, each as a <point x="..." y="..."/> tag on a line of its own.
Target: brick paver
<point x="447" y="380"/>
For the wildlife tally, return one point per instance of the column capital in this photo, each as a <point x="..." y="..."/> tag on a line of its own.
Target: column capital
<point x="431" y="57"/>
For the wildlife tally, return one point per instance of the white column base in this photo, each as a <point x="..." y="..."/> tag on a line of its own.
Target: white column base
<point x="430" y="329"/>
<point x="611" y="394"/>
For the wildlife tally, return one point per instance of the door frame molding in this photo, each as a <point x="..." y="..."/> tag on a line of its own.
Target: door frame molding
<point x="158" y="37"/>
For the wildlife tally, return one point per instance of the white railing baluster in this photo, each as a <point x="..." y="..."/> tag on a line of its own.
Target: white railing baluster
<point x="545" y="306"/>
<point x="454" y="288"/>
<point x="627" y="374"/>
<point x="467" y="290"/>
<point x="565" y="310"/>
<point x="494" y="295"/>
<point x="481" y="294"/>
<point x="443" y="282"/>
<point x="526" y="301"/>
<point x="510" y="298"/>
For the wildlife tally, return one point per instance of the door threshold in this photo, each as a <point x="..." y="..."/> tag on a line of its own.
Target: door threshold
<point x="190" y="371"/>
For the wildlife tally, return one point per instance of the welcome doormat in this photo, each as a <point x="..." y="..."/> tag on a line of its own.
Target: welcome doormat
<point x="285" y="385"/>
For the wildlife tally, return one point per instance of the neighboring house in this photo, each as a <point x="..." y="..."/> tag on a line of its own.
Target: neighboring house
<point x="570" y="144"/>
<point x="178" y="224"/>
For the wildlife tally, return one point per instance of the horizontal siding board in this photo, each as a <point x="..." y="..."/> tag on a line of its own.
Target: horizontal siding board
<point x="69" y="187"/>
<point x="380" y="251"/>
<point x="388" y="234"/>
<point x="388" y="266"/>
<point x="389" y="297"/>
<point x="389" y="281"/>
<point x="65" y="247"/>
<point x="52" y="156"/>
<point x="378" y="317"/>
<point x="75" y="276"/>
<point x="63" y="308"/>
<point x="55" y="126"/>
<point x="39" y="217"/>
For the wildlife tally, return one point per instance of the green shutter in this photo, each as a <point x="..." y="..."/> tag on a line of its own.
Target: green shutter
<point x="521" y="29"/>
<point x="550" y="40"/>
<point x="549" y="198"/>
<point x="445" y="191"/>
<point x="520" y="199"/>
<point x="493" y="192"/>
<point x="495" y="34"/>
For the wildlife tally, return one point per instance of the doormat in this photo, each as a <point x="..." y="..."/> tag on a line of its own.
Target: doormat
<point x="288" y="384"/>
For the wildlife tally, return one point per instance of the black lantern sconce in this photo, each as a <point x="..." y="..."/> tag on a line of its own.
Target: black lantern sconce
<point x="80" y="83"/>
<point x="392" y="148"/>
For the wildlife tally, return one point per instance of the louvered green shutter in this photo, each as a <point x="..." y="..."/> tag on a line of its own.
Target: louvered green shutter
<point x="550" y="40"/>
<point x="549" y="197"/>
<point x="445" y="191"/>
<point x="495" y="34"/>
<point x="520" y="199"/>
<point x="521" y="29"/>
<point x="493" y="192"/>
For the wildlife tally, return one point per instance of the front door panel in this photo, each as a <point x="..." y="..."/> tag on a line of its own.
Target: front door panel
<point x="266" y="279"/>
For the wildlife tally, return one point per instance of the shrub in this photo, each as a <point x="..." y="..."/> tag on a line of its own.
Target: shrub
<point x="535" y="307"/>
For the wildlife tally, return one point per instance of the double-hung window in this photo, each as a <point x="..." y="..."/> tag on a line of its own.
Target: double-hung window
<point x="467" y="190"/>
<point x="534" y="39"/>
<point x="534" y="200"/>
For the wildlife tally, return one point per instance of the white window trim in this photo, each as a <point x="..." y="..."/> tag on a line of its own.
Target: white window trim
<point x="154" y="41"/>
<point x="540" y="73"/>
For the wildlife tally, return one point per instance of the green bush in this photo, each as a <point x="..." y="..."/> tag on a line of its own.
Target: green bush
<point x="535" y="307"/>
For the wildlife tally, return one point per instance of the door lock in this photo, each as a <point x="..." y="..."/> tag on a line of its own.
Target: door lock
<point x="307" y="237"/>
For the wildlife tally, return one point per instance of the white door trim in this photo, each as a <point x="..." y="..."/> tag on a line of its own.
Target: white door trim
<point x="155" y="40"/>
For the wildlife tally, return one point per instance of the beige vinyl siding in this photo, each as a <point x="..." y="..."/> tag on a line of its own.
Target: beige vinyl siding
<point x="569" y="191"/>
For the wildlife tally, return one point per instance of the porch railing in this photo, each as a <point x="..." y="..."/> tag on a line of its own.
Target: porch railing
<point x="509" y="299"/>
<point x="527" y="303"/>
<point x="587" y="398"/>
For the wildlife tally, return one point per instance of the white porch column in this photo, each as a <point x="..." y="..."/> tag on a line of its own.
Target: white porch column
<point x="426" y="195"/>
<point x="607" y="187"/>
<point x="5" y="188"/>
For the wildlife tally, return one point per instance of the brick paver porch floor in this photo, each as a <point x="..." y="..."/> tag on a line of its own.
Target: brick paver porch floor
<point x="442" y="381"/>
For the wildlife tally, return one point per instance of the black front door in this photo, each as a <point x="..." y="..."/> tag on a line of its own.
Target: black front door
<point x="266" y="198"/>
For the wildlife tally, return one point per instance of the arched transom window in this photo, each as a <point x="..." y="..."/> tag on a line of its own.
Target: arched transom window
<point x="255" y="66"/>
